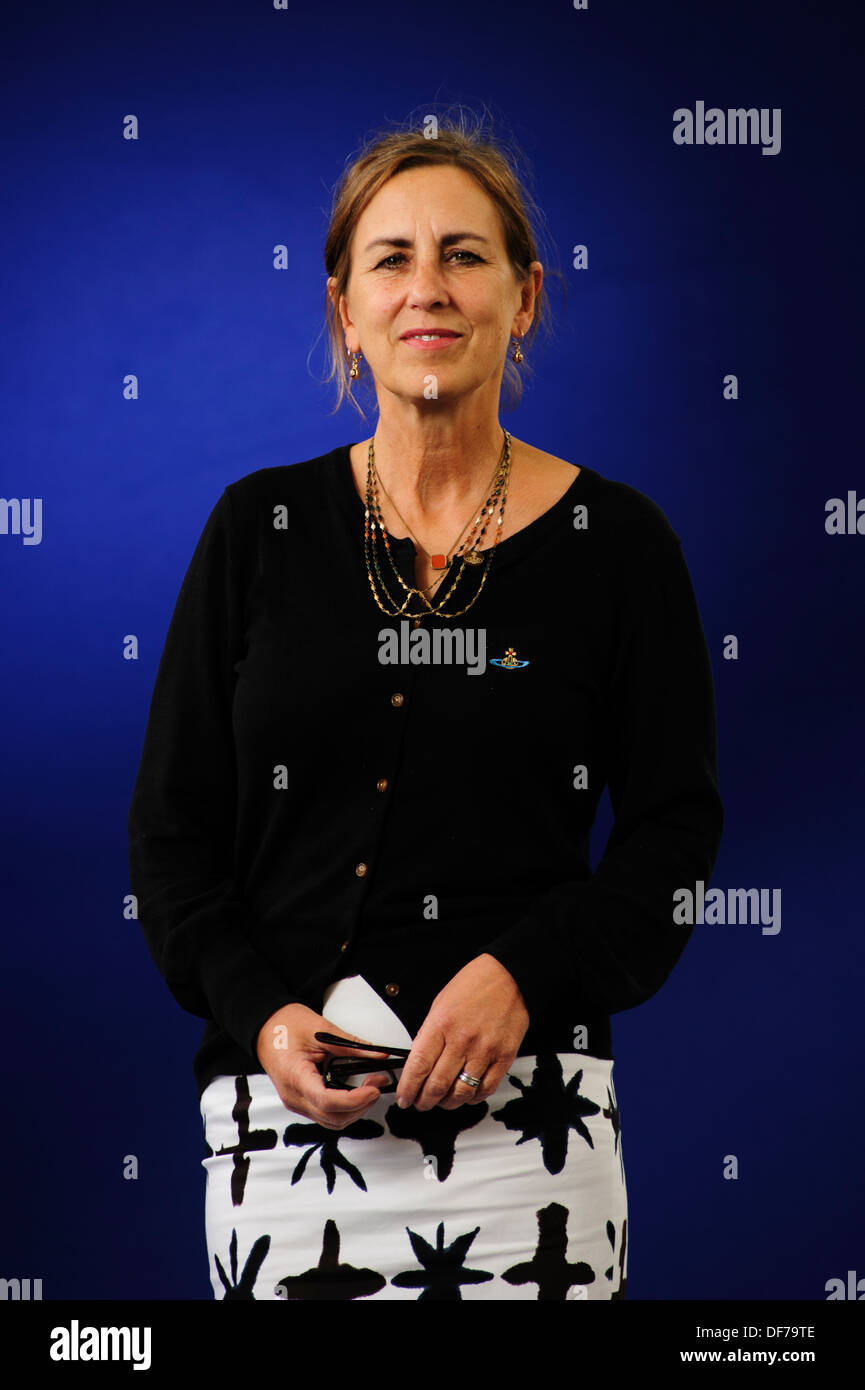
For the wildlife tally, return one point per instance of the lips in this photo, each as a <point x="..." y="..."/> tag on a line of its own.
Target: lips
<point x="429" y="333"/>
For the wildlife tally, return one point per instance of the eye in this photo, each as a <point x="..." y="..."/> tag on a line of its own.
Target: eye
<point x="399" y="256"/>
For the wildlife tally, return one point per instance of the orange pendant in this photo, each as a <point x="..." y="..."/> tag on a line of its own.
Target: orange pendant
<point x="439" y="562"/>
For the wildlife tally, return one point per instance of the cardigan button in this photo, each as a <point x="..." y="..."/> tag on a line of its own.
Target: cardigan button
<point x="381" y="784"/>
<point x="391" y="990"/>
<point x="397" y="699"/>
<point x="360" y="870"/>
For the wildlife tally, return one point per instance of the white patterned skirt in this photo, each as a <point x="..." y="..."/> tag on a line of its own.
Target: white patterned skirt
<point x="520" y="1197"/>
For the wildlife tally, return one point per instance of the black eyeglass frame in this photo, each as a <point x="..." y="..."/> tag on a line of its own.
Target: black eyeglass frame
<point x="335" y="1070"/>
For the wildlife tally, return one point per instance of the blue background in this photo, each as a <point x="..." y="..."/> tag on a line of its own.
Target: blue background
<point x="155" y="257"/>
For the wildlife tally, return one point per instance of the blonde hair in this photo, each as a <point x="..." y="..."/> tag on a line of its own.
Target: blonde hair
<point x="460" y="141"/>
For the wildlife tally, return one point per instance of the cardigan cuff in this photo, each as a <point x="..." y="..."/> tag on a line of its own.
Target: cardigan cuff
<point x="243" y="989"/>
<point x="216" y="972"/>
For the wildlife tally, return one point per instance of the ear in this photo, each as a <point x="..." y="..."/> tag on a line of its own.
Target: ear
<point x="529" y="293"/>
<point x="341" y="308"/>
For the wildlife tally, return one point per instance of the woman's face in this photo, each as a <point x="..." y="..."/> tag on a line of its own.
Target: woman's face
<point x="428" y="252"/>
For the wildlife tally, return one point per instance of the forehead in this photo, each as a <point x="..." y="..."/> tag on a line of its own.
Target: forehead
<point x="433" y="195"/>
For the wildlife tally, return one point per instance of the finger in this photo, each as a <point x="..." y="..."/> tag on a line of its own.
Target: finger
<point x="424" y="1056"/>
<point x="378" y="1079"/>
<point x="440" y="1081"/>
<point x="331" y="1101"/>
<point x="462" y="1092"/>
<point x="340" y="1122"/>
<point x="490" y="1081"/>
<point x="334" y="1114"/>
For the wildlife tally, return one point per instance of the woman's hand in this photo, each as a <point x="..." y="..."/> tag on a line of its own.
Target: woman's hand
<point x="475" y="1024"/>
<point x="289" y="1053"/>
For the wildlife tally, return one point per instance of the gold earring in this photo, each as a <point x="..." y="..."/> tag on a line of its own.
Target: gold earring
<point x="518" y="356"/>
<point x="355" y="370"/>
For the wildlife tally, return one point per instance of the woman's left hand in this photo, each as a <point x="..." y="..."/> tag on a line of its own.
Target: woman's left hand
<point x="475" y="1024"/>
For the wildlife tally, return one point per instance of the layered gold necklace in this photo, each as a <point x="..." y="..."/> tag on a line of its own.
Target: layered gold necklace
<point x="468" y="553"/>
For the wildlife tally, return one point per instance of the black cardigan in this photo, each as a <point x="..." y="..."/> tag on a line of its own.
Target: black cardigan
<point x="305" y="810"/>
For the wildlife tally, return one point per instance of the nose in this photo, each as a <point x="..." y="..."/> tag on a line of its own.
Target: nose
<point x="427" y="284"/>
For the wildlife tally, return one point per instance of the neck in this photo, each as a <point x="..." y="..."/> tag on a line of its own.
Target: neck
<point x="440" y="469"/>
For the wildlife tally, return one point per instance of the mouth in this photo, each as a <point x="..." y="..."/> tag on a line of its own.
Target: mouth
<point x="430" y="340"/>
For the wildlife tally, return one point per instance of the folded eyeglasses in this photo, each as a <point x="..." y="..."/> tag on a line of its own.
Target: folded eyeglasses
<point x="336" y="1070"/>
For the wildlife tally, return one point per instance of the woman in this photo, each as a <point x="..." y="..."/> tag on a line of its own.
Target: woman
<point x="397" y="679"/>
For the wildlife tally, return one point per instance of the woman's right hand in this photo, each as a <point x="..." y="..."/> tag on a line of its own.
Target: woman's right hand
<point x="289" y="1053"/>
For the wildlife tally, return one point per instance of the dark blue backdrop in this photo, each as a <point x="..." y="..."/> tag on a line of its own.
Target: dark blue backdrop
<point x="155" y="257"/>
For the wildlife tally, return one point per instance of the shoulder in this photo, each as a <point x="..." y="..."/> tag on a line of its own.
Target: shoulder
<point x="617" y="509"/>
<point x="302" y="491"/>
<point x="290" y="481"/>
<point x="635" y="513"/>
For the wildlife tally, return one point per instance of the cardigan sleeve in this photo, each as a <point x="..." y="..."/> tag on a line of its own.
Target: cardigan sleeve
<point x="608" y="942"/>
<point x="183" y="808"/>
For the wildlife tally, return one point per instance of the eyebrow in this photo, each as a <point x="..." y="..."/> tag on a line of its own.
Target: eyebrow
<point x="445" y="241"/>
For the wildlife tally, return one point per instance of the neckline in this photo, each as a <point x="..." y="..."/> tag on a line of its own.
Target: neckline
<point x="510" y="547"/>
